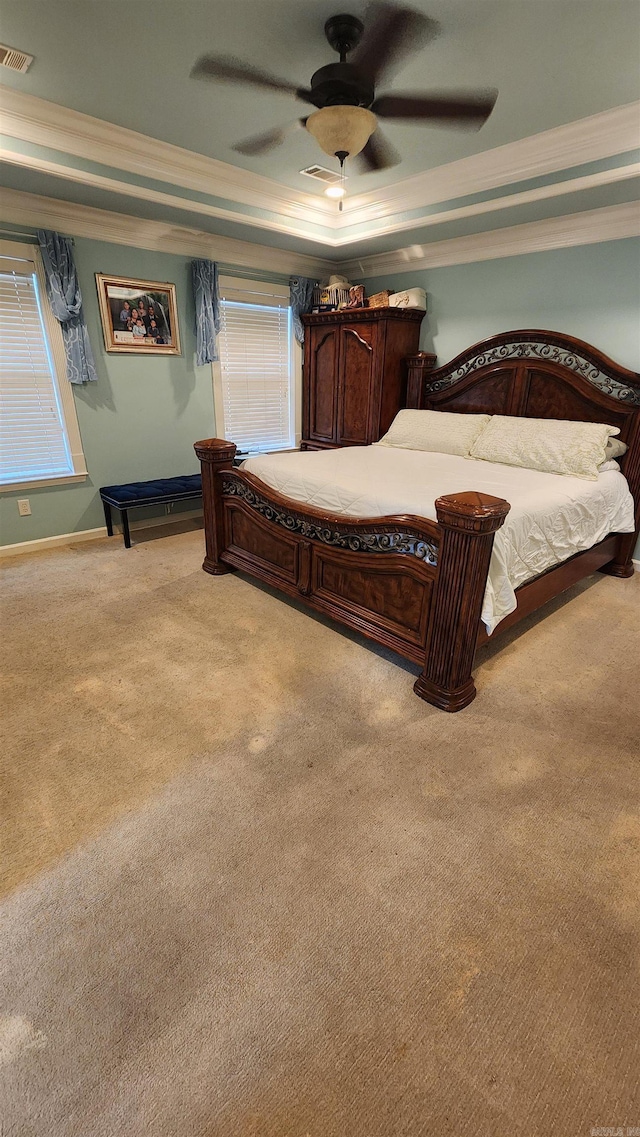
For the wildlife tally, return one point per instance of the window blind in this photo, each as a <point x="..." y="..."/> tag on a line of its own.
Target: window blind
<point x="255" y="367"/>
<point x="33" y="443"/>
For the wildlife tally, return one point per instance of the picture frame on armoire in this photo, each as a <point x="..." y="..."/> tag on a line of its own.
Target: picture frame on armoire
<point x="139" y="317"/>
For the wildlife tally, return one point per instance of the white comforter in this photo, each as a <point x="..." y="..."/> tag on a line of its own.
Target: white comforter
<point x="551" y="517"/>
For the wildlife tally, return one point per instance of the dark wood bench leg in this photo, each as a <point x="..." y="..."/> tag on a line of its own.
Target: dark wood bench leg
<point x="107" y="518"/>
<point x="125" y="528"/>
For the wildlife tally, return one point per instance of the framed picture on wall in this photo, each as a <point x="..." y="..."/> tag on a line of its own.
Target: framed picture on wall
<point x="138" y="316"/>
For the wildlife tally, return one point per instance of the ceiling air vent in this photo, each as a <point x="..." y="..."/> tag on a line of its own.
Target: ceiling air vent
<point x="321" y="174"/>
<point x="14" y="59"/>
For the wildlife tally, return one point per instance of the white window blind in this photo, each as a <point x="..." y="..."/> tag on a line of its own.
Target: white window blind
<point x="33" y="440"/>
<point x="255" y="373"/>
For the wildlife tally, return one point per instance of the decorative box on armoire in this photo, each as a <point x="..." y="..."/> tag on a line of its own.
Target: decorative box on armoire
<point x="355" y="376"/>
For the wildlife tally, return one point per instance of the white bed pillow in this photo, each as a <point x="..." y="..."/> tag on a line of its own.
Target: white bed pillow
<point x="615" y="448"/>
<point x="555" y="446"/>
<point x="610" y="464"/>
<point x="435" y="431"/>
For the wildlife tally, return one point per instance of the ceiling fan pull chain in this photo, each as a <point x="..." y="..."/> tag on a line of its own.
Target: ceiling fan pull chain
<point x="341" y="155"/>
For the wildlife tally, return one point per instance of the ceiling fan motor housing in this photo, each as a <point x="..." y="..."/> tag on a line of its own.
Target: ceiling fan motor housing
<point x="341" y="84"/>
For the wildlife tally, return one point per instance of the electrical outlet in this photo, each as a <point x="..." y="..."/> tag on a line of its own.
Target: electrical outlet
<point x="24" y="507"/>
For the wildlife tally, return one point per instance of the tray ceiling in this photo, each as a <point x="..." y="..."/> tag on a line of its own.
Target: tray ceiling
<point x="561" y="138"/>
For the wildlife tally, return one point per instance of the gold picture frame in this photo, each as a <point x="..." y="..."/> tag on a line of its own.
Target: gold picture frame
<point x="139" y="317"/>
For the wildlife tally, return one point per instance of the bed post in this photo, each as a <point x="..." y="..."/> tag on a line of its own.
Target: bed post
<point x="468" y="522"/>
<point x="622" y="565"/>
<point x="215" y="455"/>
<point x="419" y="367"/>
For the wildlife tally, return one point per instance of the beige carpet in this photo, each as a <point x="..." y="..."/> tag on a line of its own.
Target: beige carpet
<point x="254" y="887"/>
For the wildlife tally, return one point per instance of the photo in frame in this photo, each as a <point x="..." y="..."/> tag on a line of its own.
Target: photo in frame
<point x="138" y="316"/>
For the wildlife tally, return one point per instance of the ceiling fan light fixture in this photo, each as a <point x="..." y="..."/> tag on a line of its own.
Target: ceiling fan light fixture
<point x="342" y="129"/>
<point x="335" y="191"/>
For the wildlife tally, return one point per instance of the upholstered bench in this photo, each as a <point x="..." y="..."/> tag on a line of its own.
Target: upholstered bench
<point x="136" y="494"/>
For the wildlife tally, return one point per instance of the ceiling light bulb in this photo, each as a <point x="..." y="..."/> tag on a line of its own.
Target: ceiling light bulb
<point x="335" y="191"/>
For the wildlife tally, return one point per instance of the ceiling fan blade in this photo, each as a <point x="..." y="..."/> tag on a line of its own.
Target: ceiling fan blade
<point x="393" y="32"/>
<point x="468" y="111"/>
<point x="378" y="154"/>
<point x="263" y="143"/>
<point x="222" y="67"/>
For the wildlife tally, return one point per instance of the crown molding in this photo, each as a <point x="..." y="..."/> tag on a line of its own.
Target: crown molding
<point x="129" y="189"/>
<point x="102" y="225"/>
<point x="38" y="122"/>
<point x="143" y="193"/>
<point x="611" y="223"/>
<point x="42" y="123"/>
<point x="603" y="135"/>
<point x="497" y="204"/>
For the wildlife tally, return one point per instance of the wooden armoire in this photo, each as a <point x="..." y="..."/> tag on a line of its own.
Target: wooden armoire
<point x="355" y="376"/>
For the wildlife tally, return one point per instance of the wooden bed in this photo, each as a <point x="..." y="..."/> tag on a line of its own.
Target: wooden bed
<point x="413" y="584"/>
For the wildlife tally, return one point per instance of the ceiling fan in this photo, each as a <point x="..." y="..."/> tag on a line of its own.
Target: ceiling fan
<point x="345" y="121"/>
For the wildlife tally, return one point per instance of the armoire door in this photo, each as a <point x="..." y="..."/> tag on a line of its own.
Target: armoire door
<point x="355" y="396"/>
<point x="322" y="381"/>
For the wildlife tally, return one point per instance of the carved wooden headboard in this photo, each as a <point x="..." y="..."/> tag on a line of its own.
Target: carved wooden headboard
<point x="536" y="374"/>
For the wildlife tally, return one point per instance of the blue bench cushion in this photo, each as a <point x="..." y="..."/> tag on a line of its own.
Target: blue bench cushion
<point x="151" y="493"/>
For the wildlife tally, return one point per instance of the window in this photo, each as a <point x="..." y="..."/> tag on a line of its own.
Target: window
<point x="255" y="394"/>
<point x="39" y="435"/>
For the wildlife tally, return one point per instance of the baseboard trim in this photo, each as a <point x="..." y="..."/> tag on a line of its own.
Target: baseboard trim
<point x="636" y="565"/>
<point x="41" y="543"/>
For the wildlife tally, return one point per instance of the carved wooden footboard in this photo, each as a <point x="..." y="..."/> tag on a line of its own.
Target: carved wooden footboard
<point x="411" y="584"/>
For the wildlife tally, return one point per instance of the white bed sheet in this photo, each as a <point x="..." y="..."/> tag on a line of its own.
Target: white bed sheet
<point x="551" y="517"/>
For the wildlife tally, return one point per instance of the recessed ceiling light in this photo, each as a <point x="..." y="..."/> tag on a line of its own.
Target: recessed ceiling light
<point x="335" y="191"/>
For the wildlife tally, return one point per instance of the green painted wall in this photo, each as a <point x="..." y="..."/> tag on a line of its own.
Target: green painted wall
<point x="142" y="417"/>
<point x="592" y="292"/>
